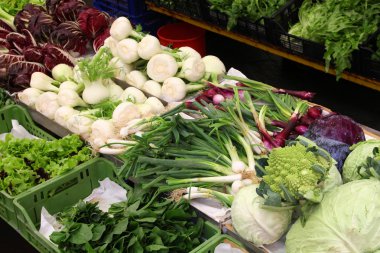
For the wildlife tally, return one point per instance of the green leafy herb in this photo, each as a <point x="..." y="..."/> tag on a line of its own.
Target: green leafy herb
<point x="97" y="67"/>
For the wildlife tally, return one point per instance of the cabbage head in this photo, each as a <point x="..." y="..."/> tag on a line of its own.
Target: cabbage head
<point x="256" y="224"/>
<point x="358" y="157"/>
<point x="347" y="220"/>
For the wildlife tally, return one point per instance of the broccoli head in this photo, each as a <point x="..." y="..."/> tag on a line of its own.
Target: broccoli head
<point x="297" y="171"/>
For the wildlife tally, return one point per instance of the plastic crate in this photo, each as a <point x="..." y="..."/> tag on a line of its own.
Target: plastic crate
<point x="211" y="245"/>
<point x="65" y="192"/>
<point x="369" y="67"/>
<point x="57" y="194"/>
<point x="128" y="7"/>
<point x="277" y="29"/>
<point x="7" y="113"/>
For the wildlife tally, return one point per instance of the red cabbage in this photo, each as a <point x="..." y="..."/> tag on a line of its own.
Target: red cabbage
<point x="23" y="17"/>
<point x="41" y="25"/>
<point x="54" y="55"/>
<point x="337" y="127"/>
<point x="70" y="37"/>
<point x="93" y="22"/>
<point x="99" y="41"/>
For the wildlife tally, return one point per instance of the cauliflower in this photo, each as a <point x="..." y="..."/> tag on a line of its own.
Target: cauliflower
<point x="300" y="171"/>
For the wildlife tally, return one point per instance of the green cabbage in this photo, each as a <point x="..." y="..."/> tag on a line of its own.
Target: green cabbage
<point x="347" y="220"/>
<point x="358" y="157"/>
<point x="256" y="224"/>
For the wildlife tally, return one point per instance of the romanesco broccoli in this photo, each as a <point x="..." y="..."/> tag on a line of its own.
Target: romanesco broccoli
<point x="298" y="171"/>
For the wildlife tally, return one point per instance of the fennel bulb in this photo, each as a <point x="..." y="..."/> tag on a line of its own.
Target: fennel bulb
<point x="95" y="92"/>
<point x="152" y="87"/>
<point x="47" y="104"/>
<point x="124" y="113"/>
<point x="173" y="89"/>
<point x="155" y="103"/>
<point x="70" y="85"/>
<point x="69" y="97"/>
<point x="148" y="47"/>
<point x="214" y="65"/>
<point x="80" y="124"/>
<point x="101" y="131"/>
<point x="62" y="72"/>
<point x="29" y="96"/>
<point x="187" y="52"/>
<point x="162" y="66"/>
<point x="43" y="82"/>
<point x="127" y="50"/>
<point x="133" y="95"/>
<point x="136" y="78"/>
<point x="121" y="69"/>
<point x="121" y="28"/>
<point x="145" y="110"/>
<point x="193" y="69"/>
<point x="115" y="91"/>
<point x="63" y="114"/>
<point x="111" y="43"/>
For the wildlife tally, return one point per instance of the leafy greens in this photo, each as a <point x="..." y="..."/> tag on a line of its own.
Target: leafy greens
<point x="25" y="163"/>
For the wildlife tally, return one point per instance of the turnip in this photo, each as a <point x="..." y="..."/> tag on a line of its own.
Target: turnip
<point x="122" y="28"/>
<point x="68" y="97"/>
<point x="127" y="50"/>
<point x="162" y="66"/>
<point x="121" y="68"/>
<point x="29" y="96"/>
<point x="155" y="103"/>
<point x="136" y="78"/>
<point x="43" y="82"/>
<point x="152" y="87"/>
<point x="133" y="95"/>
<point x="47" y="104"/>
<point x="124" y="113"/>
<point x="63" y="114"/>
<point x="148" y="47"/>
<point x="62" y="72"/>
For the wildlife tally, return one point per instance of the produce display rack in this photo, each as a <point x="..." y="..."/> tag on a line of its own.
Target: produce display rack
<point x="352" y="77"/>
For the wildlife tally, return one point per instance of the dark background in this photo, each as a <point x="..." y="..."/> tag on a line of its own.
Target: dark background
<point x="344" y="97"/>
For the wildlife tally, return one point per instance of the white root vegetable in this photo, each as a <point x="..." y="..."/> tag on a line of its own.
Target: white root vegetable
<point x="80" y="124"/>
<point x="63" y="114"/>
<point x="162" y="66"/>
<point x="152" y="87"/>
<point x="187" y="52"/>
<point x="214" y="65"/>
<point x="29" y="96"/>
<point x="155" y="103"/>
<point x="133" y="95"/>
<point x="69" y="97"/>
<point x="47" y="104"/>
<point x="193" y="69"/>
<point x="145" y="110"/>
<point x="124" y="113"/>
<point x="127" y="50"/>
<point x="121" y="68"/>
<point x="173" y="89"/>
<point x="236" y="186"/>
<point x="111" y="43"/>
<point x="114" y="90"/>
<point x="43" y="82"/>
<point x="132" y="127"/>
<point x="70" y="85"/>
<point x="103" y="130"/>
<point x="95" y="92"/>
<point x="148" y="47"/>
<point x="121" y="28"/>
<point x="112" y="151"/>
<point x="62" y="72"/>
<point x="116" y="143"/>
<point x="136" y="78"/>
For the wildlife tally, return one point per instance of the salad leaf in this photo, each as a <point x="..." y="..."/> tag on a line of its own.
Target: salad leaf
<point x="14" y="6"/>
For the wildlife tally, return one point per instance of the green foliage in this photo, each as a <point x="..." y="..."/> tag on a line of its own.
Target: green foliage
<point x="13" y="6"/>
<point x="5" y="98"/>
<point x="97" y="67"/>
<point x="146" y="222"/>
<point x="340" y="25"/>
<point x="25" y="163"/>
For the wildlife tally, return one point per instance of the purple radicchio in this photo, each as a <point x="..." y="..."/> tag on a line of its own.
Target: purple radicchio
<point x="65" y="10"/>
<point x="70" y="37"/>
<point x="93" y="22"/>
<point x="23" y="17"/>
<point x="99" y="41"/>
<point x="20" y="72"/>
<point x="34" y="54"/>
<point x="41" y="25"/>
<point x="54" y="55"/>
<point x="17" y="41"/>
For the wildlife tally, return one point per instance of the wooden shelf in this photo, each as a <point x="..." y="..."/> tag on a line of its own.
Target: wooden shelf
<point x="370" y="83"/>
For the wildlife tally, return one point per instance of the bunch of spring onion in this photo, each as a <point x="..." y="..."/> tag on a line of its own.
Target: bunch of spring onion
<point x="166" y="73"/>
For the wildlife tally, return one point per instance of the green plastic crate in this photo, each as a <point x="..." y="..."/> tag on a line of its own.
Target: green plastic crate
<point x="58" y="194"/>
<point x="210" y="246"/>
<point x="7" y="113"/>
